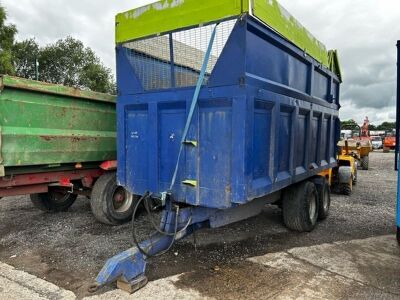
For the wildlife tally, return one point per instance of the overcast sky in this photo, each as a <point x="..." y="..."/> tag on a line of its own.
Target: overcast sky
<point x="364" y="32"/>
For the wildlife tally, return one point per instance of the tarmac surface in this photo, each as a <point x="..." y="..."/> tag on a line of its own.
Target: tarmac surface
<point x="353" y="254"/>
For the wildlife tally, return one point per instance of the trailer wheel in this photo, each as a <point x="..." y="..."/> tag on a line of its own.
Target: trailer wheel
<point x="365" y="162"/>
<point x="111" y="204"/>
<point x="355" y="176"/>
<point x="345" y="189"/>
<point x="55" y="200"/>
<point x="324" y="198"/>
<point x="300" y="206"/>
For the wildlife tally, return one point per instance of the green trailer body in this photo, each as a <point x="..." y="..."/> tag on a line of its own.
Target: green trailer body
<point x="58" y="142"/>
<point x="48" y="126"/>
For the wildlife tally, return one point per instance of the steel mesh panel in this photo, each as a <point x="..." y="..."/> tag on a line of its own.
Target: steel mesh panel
<point x="151" y="58"/>
<point x="190" y="47"/>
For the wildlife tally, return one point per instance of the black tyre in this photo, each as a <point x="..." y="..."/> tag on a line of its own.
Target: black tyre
<point x="111" y="204"/>
<point x="355" y="176"/>
<point x="300" y="206"/>
<point x="324" y="196"/>
<point x="365" y="162"/>
<point x="55" y="200"/>
<point x="345" y="189"/>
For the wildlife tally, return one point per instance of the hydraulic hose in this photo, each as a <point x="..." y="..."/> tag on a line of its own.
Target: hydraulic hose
<point x="145" y="198"/>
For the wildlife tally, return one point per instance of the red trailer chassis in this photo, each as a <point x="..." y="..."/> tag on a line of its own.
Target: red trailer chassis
<point x="35" y="183"/>
<point x="39" y="182"/>
<point x="57" y="190"/>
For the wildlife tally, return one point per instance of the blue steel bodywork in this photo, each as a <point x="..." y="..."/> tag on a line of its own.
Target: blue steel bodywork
<point x="266" y="118"/>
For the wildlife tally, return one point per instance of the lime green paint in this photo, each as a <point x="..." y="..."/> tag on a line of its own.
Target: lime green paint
<point x="192" y="183"/>
<point x="271" y="13"/>
<point x="169" y="15"/>
<point x="334" y="64"/>
<point x="42" y="124"/>
<point x="193" y="143"/>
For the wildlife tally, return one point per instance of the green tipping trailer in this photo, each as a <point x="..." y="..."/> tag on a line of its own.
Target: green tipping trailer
<point x="46" y="124"/>
<point x="57" y="142"/>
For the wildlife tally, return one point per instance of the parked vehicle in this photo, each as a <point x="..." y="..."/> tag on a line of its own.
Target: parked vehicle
<point x="346" y="134"/>
<point x="376" y="142"/>
<point x="346" y="175"/>
<point x="359" y="145"/>
<point x="57" y="143"/>
<point x="222" y="108"/>
<point x="389" y="143"/>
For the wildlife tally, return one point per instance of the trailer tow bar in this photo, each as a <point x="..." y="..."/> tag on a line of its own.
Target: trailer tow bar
<point x="128" y="268"/>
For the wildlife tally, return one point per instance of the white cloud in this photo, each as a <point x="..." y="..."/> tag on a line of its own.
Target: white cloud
<point x="91" y="21"/>
<point x="364" y="32"/>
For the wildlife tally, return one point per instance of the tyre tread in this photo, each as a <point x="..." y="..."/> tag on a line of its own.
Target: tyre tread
<point x="295" y="208"/>
<point x="44" y="202"/>
<point x="96" y="199"/>
<point x="365" y="162"/>
<point x="100" y="202"/>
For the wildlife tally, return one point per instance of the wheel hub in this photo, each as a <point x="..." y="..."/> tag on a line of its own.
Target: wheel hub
<point x="119" y="198"/>
<point x="58" y="196"/>
<point x="122" y="200"/>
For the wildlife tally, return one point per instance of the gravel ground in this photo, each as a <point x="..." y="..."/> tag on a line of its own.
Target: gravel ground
<point x="69" y="248"/>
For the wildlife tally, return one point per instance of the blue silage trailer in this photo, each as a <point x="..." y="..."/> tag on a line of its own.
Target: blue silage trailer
<point x="223" y="107"/>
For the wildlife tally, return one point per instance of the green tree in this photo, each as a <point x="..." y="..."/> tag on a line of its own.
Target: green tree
<point x="372" y="127"/>
<point x="66" y="62"/>
<point x="7" y="35"/>
<point x="349" y="125"/>
<point x="70" y="63"/>
<point x="387" y="126"/>
<point x="24" y="55"/>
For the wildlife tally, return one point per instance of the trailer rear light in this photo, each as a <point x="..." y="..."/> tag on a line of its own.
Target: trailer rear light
<point x="109" y="165"/>
<point x="65" y="182"/>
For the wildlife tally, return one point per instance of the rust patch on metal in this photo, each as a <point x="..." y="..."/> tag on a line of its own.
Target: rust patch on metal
<point x="45" y="87"/>
<point x="46" y="137"/>
<point x="74" y="139"/>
